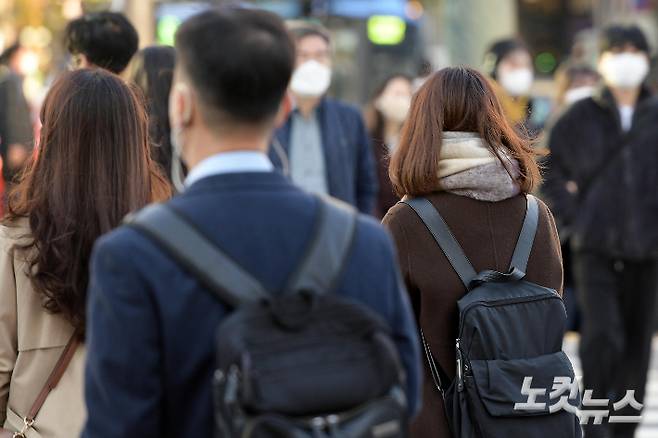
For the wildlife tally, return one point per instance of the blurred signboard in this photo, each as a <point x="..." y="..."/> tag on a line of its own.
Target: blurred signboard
<point x="366" y="8"/>
<point x="169" y="17"/>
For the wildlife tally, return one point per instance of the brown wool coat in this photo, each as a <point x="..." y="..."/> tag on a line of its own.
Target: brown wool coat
<point x="487" y="231"/>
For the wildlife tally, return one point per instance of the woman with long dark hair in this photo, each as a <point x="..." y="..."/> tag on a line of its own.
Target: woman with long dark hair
<point x="152" y="70"/>
<point x="384" y="117"/>
<point x="93" y="168"/>
<point x="458" y="150"/>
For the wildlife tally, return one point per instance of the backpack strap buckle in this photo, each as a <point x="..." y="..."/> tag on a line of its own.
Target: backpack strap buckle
<point x="513" y="274"/>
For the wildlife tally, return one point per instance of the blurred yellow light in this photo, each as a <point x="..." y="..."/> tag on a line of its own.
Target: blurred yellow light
<point x="36" y="37"/>
<point x="386" y="29"/>
<point x="71" y="9"/>
<point x="28" y="63"/>
<point x="32" y="88"/>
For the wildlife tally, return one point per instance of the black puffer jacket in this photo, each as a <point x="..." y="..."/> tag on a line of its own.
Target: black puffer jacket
<point x="602" y="182"/>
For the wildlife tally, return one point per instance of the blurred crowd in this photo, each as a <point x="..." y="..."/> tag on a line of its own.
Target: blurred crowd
<point x="116" y="134"/>
<point x="508" y="63"/>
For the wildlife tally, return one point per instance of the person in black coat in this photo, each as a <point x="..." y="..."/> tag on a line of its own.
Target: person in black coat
<point x="600" y="181"/>
<point x="16" y="135"/>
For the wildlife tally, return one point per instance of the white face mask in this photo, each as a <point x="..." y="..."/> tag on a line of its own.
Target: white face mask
<point x="177" y="177"/>
<point x="624" y="70"/>
<point x="311" y="79"/>
<point x="394" y="107"/>
<point x="176" y="138"/>
<point x="578" y="93"/>
<point x="516" y="82"/>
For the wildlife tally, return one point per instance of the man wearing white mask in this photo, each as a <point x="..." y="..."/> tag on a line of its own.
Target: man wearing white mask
<point x="324" y="145"/>
<point x="601" y="180"/>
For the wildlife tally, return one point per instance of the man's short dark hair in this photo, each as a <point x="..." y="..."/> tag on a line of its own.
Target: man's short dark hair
<point x="303" y="29"/>
<point x="107" y="39"/>
<point x="618" y="37"/>
<point x="239" y="60"/>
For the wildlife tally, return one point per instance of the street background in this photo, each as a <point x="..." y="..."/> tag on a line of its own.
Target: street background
<point x="409" y="36"/>
<point x="649" y="426"/>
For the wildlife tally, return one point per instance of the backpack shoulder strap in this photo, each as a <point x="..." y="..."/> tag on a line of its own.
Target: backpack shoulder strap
<point x="444" y="237"/>
<point x="527" y="236"/>
<point x="327" y="250"/>
<point x="194" y="252"/>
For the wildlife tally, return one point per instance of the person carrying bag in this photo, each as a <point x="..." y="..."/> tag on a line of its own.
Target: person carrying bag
<point x="54" y="378"/>
<point x="493" y="318"/>
<point x="509" y="337"/>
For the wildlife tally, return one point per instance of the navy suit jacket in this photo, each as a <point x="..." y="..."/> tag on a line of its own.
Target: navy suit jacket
<point x="151" y="326"/>
<point x="349" y="160"/>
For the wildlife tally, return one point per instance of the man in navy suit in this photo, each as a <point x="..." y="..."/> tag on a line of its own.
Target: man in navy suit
<point x="324" y="145"/>
<point x="151" y="324"/>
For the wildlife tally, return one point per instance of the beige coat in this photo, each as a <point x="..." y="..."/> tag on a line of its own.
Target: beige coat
<point x="31" y="341"/>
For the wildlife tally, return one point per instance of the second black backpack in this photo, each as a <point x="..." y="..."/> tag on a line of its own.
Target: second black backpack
<point x="297" y="363"/>
<point x="513" y="379"/>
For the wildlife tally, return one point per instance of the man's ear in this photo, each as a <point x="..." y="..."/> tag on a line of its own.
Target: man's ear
<point x="284" y="110"/>
<point x="84" y="61"/>
<point x="181" y="105"/>
<point x="80" y="60"/>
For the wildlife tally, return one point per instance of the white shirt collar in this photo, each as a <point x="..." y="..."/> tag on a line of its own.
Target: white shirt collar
<point x="229" y="162"/>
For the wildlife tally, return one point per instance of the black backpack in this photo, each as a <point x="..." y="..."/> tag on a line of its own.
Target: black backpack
<point x="299" y="363"/>
<point x="509" y="329"/>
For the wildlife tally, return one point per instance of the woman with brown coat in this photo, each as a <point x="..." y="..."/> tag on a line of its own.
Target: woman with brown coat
<point x="458" y="150"/>
<point x="92" y="169"/>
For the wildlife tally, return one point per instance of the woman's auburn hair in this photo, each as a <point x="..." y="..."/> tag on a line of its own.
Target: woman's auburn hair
<point x="92" y="168"/>
<point x="455" y="99"/>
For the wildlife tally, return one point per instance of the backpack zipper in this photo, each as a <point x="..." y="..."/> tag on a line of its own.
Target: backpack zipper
<point x="501" y="302"/>
<point x="460" y="373"/>
<point x="461" y="365"/>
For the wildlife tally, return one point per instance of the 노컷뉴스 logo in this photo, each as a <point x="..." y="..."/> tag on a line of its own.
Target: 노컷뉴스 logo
<point x="565" y="390"/>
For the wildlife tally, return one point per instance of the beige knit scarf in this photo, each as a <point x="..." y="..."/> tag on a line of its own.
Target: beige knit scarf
<point x="467" y="167"/>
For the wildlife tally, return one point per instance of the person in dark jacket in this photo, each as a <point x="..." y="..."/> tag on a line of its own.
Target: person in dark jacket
<point x="324" y="146"/>
<point x="384" y="117"/>
<point x="152" y="325"/>
<point x="601" y="178"/>
<point x="16" y="134"/>
<point x="476" y="177"/>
